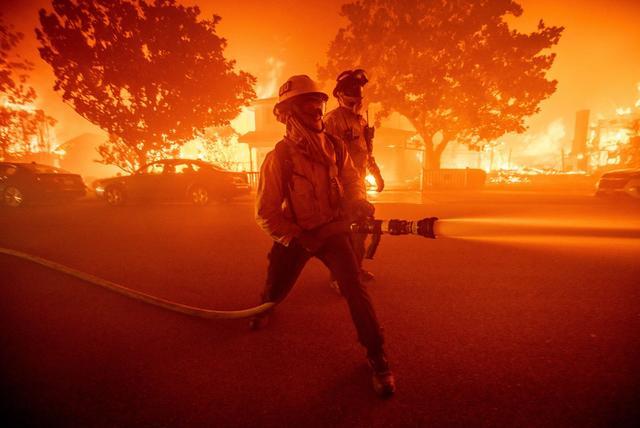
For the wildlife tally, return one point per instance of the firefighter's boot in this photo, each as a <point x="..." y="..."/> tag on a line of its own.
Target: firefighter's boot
<point x="384" y="384"/>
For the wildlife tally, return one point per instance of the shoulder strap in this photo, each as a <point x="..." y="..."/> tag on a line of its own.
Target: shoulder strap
<point x="339" y="149"/>
<point x="286" y="165"/>
<point x="284" y="157"/>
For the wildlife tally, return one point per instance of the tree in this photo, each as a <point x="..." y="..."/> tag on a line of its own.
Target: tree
<point x="454" y="69"/>
<point x="16" y="122"/>
<point x="151" y="74"/>
<point x="220" y="147"/>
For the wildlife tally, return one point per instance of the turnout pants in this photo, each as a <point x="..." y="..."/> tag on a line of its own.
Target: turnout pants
<point x="358" y="243"/>
<point x="286" y="264"/>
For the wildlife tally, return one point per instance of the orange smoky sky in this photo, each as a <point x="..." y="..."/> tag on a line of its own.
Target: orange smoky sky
<point x="598" y="65"/>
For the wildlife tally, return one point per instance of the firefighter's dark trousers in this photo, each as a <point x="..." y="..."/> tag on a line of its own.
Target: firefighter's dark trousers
<point x="286" y="264"/>
<point x="358" y="244"/>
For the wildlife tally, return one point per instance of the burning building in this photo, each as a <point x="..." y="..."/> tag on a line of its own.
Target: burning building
<point x="615" y="141"/>
<point x="27" y="134"/>
<point x="399" y="156"/>
<point x="607" y="143"/>
<point x="266" y="133"/>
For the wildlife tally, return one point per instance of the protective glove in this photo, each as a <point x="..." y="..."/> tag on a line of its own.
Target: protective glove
<point x="379" y="183"/>
<point x="360" y="209"/>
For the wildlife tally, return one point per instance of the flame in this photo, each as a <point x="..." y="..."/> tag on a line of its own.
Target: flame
<point x="621" y="111"/>
<point x="244" y="122"/>
<point x="34" y="146"/>
<point x="371" y="181"/>
<point x="194" y="149"/>
<point x="268" y="89"/>
<point x="610" y="139"/>
<point x="18" y="107"/>
<point x="60" y="151"/>
<point x="531" y="149"/>
<point x="229" y="154"/>
<point x="25" y="140"/>
<point x="609" y="136"/>
<point x="547" y="143"/>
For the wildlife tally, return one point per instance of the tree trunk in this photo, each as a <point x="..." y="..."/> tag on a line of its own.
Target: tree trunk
<point x="432" y="155"/>
<point x="431" y="159"/>
<point x="142" y="160"/>
<point x="432" y="151"/>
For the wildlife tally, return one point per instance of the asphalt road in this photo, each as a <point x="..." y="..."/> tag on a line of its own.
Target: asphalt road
<point x="526" y="314"/>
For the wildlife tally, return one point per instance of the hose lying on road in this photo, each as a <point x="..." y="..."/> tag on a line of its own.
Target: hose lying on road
<point x="147" y="298"/>
<point x="424" y="227"/>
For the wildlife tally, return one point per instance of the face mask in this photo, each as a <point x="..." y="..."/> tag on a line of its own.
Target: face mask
<point x="353" y="103"/>
<point x="310" y="112"/>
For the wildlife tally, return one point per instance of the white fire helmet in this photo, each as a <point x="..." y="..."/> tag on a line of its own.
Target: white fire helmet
<point x="295" y="86"/>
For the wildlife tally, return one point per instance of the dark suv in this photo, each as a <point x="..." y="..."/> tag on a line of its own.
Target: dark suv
<point x="173" y="180"/>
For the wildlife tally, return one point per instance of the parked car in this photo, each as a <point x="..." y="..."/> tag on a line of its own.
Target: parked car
<point x="173" y="180"/>
<point x="22" y="183"/>
<point x="619" y="182"/>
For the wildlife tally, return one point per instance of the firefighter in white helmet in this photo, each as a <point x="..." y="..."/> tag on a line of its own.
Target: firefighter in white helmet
<point x="307" y="182"/>
<point x="346" y="122"/>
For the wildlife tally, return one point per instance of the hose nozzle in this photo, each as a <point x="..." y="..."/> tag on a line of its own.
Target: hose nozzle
<point x="424" y="227"/>
<point x="427" y="227"/>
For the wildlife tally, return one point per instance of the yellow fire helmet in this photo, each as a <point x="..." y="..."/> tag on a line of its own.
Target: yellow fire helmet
<point x="295" y="86"/>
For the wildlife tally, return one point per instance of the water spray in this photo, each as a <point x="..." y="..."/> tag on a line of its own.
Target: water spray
<point x="428" y="227"/>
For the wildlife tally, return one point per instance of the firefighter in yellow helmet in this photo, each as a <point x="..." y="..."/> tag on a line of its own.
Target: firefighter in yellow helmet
<point x="306" y="183"/>
<point x="346" y="122"/>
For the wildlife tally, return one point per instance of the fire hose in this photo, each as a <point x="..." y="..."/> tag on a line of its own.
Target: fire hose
<point x="424" y="227"/>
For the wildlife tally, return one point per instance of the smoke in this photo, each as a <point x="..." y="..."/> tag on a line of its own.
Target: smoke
<point x="273" y="74"/>
<point x="543" y="149"/>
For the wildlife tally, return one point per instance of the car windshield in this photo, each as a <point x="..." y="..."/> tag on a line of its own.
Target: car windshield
<point x="44" y="169"/>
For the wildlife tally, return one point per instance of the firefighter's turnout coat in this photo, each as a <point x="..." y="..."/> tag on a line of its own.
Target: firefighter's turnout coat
<point x="309" y="191"/>
<point x="350" y="128"/>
